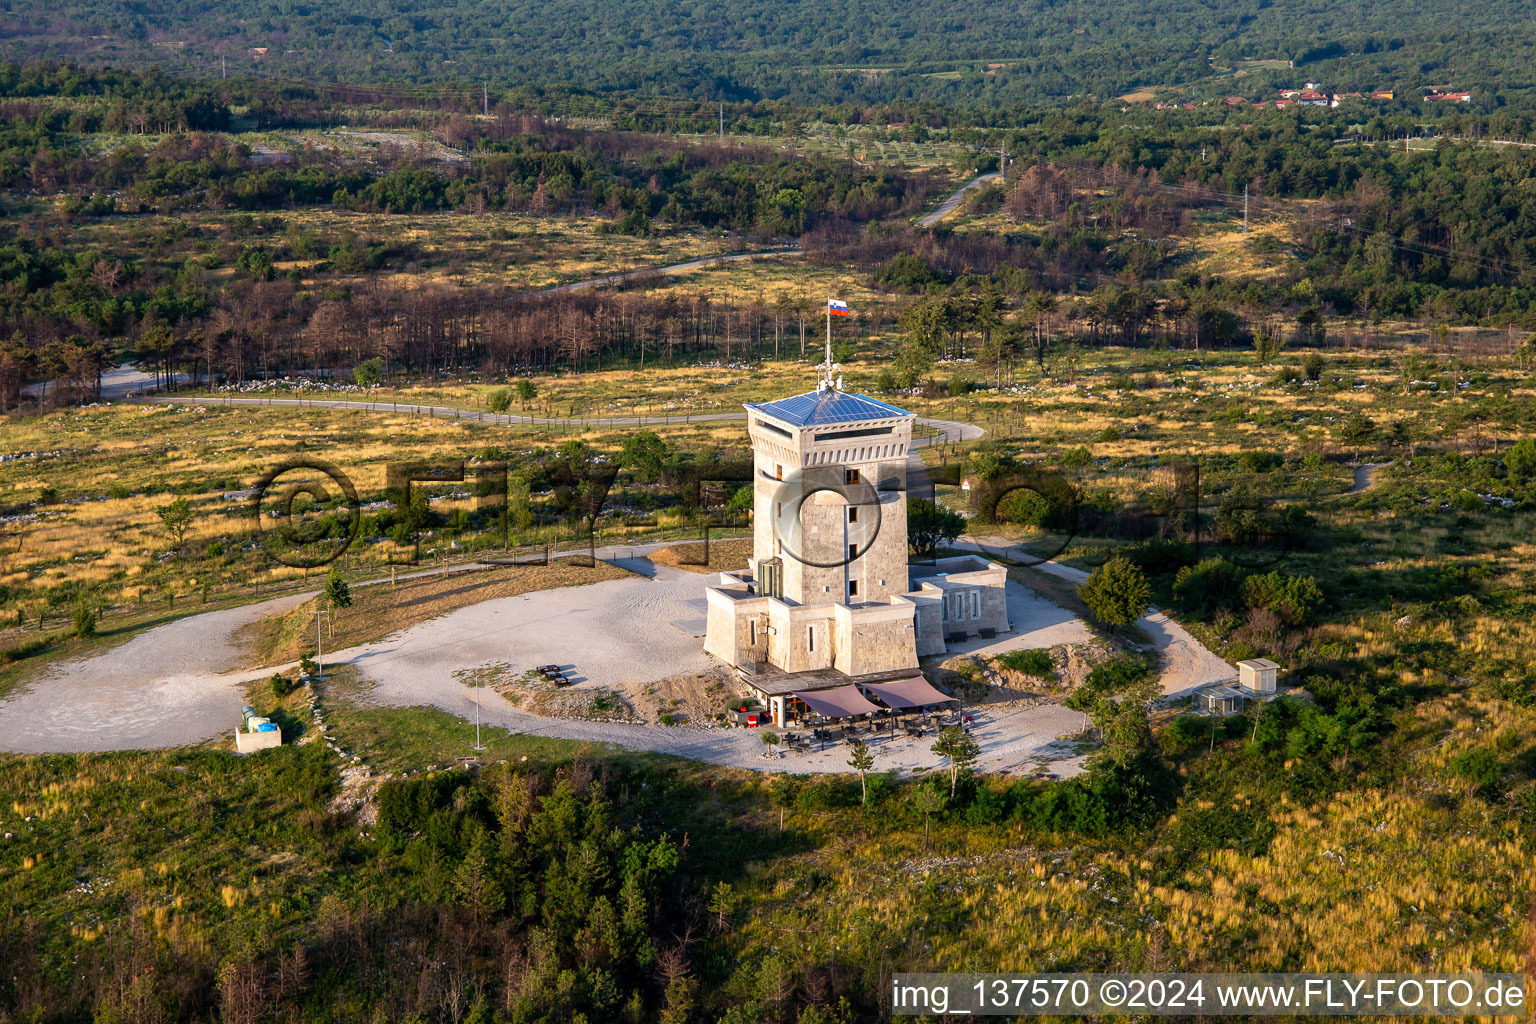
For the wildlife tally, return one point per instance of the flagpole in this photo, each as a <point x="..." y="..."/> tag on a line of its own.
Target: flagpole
<point x="828" y="371"/>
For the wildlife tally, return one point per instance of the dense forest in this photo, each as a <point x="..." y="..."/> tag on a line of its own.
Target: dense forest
<point x="979" y="54"/>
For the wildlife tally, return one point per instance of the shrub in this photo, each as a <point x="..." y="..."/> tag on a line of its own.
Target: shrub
<point x="1207" y="587"/>
<point x="500" y="400"/>
<point x="1161" y="555"/>
<point x="281" y="687"/>
<point x="22" y="650"/>
<point x="1520" y="460"/>
<point x="1260" y="462"/>
<point x="1117" y="593"/>
<point x="1076" y="458"/>
<point x="85" y="620"/>
<point x="1035" y="663"/>
<point x="1295" y="599"/>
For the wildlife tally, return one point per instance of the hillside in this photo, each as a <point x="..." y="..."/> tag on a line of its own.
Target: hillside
<point x="966" y="54"/>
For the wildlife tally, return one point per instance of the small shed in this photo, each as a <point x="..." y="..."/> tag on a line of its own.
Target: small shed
<point x="1257" y="675"/>
<point x="1222" y="700"/>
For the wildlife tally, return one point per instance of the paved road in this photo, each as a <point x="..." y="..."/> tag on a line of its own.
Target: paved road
<point x="952" y="204"/>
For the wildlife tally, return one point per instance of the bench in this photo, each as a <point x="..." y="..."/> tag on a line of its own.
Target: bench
<point x="986" y="634"/>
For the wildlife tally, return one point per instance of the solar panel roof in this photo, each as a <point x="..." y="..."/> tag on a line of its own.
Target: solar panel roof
<point x="818" y="408"/>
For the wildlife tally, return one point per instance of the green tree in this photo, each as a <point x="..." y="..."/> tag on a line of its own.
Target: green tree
<point x="1117" y="697"/>
<point x="1359" y="430"/>
<point x="645" y="453"/>
<point x="475" y="884"/>
<point x="913" y="365"/>
<point x="1520" y="460"/>
<point x="1117" y="593"/>
<point x="368" y="373"/>
<point x="1267" y="344"/>
<point x="85" y="618"/>
<point x="500" y="400"/>
<point x="861" y="760"/>
<point x="929" y="801"/>
<point x="176" y="517"/>
<point x="527" y="391"/>
<point x="930" y="525"/>
<point x="956" y="746"/>
<point x="722" y="904"/>
<point x="1479" y="768"/>
<point x="337" y="595"/>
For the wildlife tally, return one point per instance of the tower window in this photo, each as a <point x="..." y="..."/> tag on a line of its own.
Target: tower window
<point x="853" y="552"/>
<point x="853" y="513"/>
<point x="853" y="588"/>
<point x="810" y="638"/>
<point x="778" y="471"/>
<point x="852" y="477"/>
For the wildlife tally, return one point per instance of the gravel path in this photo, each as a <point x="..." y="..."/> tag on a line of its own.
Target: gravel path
<point x="1365" y="476"/>
<point x="121" y="699"/>
<point x="608" y="633"/>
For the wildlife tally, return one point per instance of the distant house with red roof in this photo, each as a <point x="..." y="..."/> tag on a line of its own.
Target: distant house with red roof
<point x="1449" y="97"/>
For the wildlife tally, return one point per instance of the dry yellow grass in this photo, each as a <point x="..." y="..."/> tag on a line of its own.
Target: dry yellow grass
<point x="723" y="555"/>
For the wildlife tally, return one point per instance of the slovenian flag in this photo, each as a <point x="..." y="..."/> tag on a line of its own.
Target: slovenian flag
<point x="837" y="307"/>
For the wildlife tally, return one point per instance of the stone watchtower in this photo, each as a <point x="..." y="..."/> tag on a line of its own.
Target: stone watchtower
<point x="829" y="568"/>
<point x="829" y="497"/>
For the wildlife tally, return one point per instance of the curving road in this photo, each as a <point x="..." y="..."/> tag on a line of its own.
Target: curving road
<point x="952" y="204"/>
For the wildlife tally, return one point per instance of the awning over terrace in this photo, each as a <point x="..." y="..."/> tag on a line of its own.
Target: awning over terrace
<point x="913" y="692"/>
<point x="839" y="702"/>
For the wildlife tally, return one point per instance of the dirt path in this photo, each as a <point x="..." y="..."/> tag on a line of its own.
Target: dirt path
<point x="1365" y="477"/>
<point x="952" y="204"/>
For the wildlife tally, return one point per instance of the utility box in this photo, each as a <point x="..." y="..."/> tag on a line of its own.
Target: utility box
<point x="1257" y="675"/>
<point x="256" y="733"/>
